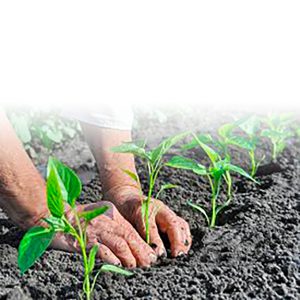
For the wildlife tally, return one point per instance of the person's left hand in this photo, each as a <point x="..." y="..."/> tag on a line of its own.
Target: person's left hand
<point x="162" y="219"/>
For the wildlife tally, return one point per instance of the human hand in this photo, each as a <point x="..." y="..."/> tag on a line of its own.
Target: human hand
<point x="162" y="218"/>
<point x="118" y="241"/>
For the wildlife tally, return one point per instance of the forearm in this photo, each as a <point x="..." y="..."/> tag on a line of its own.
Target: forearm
<point x="111" y="165"/>
<point x="22" y="189"/>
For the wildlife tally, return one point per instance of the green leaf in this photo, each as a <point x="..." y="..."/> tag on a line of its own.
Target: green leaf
<point x="54" y="196"/>
<point x="89" y="215"/>
<point x="164" y="187"/>
<point x="280" y="147"/>
<point x="218" y="171"/>
<point x="276" y="135"/>
<point x="199" y="209"/>
<point x="21" y="126"/>
<point x="92" y="257"/>
<point x="181" y="162"/>
<point x="71" y="132"/>
<point x="54" y="135"/>
<point x="226" y="130"/>
<point x="279" y="121"/>
<point x="250" y="125"/>
<point x="115" y="269"/>
<point x="165" y="146"/>
<point x="236" y="169"/>
<point x="221" y="207"/>
<point x="212" y="154"/>
<point x="57" y="223"/>
<point x="271" y="134"/>
<point x="131" y="147"/>
<point x="204" y="138"/>
<point x="69" y="182"/>
<point x="131" y="175"/>
<point x="33" y="245"/>
<point x="241" y="142"/>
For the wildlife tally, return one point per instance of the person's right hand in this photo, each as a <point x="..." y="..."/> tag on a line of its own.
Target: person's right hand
<point x="118" y="241"/>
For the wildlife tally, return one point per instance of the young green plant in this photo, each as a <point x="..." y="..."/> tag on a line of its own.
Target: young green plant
<point x="250" y="126"/>
<point x="218" y="169"/>
<point x="222" y="142"/>
<point x="154" y="162"/>
<point x="63" y="188"/>
<point x="278" y="132"/>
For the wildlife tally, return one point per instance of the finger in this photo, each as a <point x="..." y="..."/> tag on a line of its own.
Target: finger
<point x="120" y="249"/>
<point x="142" y="252"/>
<point x="185" y="228"/>
<point x="65" y="243"/>
<point x="180" y="238"/>
<point x="155" y="240"/>
<point x="106" y="255"/>
<point x="177" y="230"/>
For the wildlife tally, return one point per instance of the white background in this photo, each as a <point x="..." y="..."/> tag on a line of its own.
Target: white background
<point x="226" y="53"/>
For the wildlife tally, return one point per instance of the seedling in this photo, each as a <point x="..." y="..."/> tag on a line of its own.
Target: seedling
<point x="221" y="143"/>
<point x="218" y="169"/>
<point x="278" y="132"/>
<point x="63" y="188"/>
<point x="154" y="162"/>
<point x="49" y="130"/>
<point x="250" y="126"/>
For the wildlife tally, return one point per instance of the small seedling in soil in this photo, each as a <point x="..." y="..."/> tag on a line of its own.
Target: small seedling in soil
<point x="221" y="143"/>
<point x="278" y="132"/>
<point x="218" y="169"/>
<point x="63" y="188"/>
<point x="250" y="126"/>
<point x="154" y="162"/>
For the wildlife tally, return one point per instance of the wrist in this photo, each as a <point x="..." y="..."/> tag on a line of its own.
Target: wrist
<point x="26" y="218"/>
<point x="26" y="207"/>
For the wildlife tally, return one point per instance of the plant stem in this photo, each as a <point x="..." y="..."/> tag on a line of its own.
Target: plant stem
<point x="213" y="210"/>
<point x="229" y="184"/>
<point x="81" y="237"/>
<point x="214" y="202"/>
<point x="253" y="163"/>
<point x="274" y="152"/>
<point x="148" y="200"/>
<point x="81" y="240"/>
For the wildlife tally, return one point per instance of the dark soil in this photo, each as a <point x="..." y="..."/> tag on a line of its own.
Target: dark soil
<point x="253" y="253"/>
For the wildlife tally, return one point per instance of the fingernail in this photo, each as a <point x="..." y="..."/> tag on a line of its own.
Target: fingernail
<point x="162" y="252"/>
<point x="153" y="258"/>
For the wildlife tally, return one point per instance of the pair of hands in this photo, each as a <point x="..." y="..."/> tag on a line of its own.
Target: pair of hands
<point x="120" y="232"/>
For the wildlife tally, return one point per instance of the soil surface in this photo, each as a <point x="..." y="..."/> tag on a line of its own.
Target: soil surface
<point x="253" y="253"/>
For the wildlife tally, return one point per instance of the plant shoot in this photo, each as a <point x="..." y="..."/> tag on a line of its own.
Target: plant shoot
<point x="218" y="170"/>
<point x="154" y="163"/>
<point x="63" y="188"/>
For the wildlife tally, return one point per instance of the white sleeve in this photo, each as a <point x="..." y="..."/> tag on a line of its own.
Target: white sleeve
<point x="114" y="115"/>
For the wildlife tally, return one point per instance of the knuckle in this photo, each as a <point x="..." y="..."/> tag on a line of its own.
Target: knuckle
<point x="129" y="235"/>
<point x="120" y="246"/>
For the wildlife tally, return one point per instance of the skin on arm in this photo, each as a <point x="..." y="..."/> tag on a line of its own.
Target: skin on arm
<point x="120" y="189"/>
<point x="23" y="198"/>
<point x="22" y="189"/>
